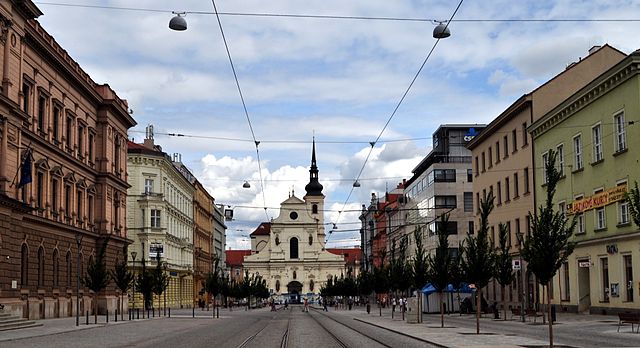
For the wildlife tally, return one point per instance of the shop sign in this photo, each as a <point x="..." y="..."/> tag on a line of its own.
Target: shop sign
<point x="154" y="249"/>
<point x="584" y="264"/>
<point x="598" y="200"/>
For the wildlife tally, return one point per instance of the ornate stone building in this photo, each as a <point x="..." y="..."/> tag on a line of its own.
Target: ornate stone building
<point x="203" y="206"/>
<point x="160" y="217"/>
<point x="69" y="134"/>
<point x="289" y="251"/>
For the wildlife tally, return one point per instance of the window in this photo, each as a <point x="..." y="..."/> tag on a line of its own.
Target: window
<point x="514" y="138"/>
<point x="545" y="161"/>
<point x="24" y="266"/>
<point x="79" y="210"/>
<point x="621" y="135"/>
<point x="40" y="267"/>
<point x="67" y="200"/>
<point x="499" y="193"/>
<point x="477" y="202"/>
<point x="497" y="152"/>
<point x="566" y="290"/>
<point x="26" y="96"/>
<point x="516" y="190"/>
<point x="116" y="155"/>
<point x="490" y="157"/>
<point x="444" y="175"/>
<point x="577" y="152"/>
<point x="293" y="248"/>
<point x="40" y="190"/>
<point x="468" y="202"/>
<point x="148" y="186"/>
<point x="56" y="269"/>
<point x="526" y="180"/>
<point x="90" y="147"/>
<point x="596" y="135"/>
<point x="471" y="227"/>
<point x="54" y="195"/>
<point x="507" y="194"/>
<point x="604" y="266"/>
<point x="42" y="102"/>
<point x="623" y="210"/>
<point x="90" y="209"/>
<point x="484" y="169"/>
<point x="314" y="209"/>
<point x="469" y="175"/>
<point x="525" y="138"/>
<point x="560" y="159"/>
<point x="599" y="214"/>
<point x="450" y="228"/>
<point x="80" y="141"/>
<point x="628" y="277"/>
<point x="505" y="143"/>
<point x="69" y="268"/>
<point x="445" y="202"/>
<point x="580" y="227"/>
<point x="69" y="133"/>
<point x="56" y="124"/>
<point x="477" y="166"/>
<point x="155" y="218"/>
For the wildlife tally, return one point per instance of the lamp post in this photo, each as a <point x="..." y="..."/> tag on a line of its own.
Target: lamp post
<point x="165" y="291"/>
<point x="133" y="256"/>
<point x="520" y="237"/>
<point x="78" y="242"/>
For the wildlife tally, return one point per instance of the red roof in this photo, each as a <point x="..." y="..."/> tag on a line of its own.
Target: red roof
<point x="236" y="257"/>
<point x="351" y="255"/>
<point x="263" y="230"/>
<point x="132" y="145"/>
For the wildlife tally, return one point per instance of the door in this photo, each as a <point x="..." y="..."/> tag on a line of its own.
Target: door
<point x="584" y="286"/>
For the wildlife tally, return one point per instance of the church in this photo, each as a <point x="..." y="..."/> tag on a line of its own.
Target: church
<point x="289" y="251"/>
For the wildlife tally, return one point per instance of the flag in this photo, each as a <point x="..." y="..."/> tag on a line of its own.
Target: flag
<point x="25" y="170"/>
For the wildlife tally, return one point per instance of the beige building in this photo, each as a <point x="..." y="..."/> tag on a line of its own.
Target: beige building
<point x="70" y="133"/>
<point x="288" y="252"/>
<point x="503" y="160"/>
<point x="203" y="209"/>
<point x="160" y="217"/>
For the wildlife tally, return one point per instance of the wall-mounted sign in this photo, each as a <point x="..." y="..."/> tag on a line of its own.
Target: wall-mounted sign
<point x="598" y="200"/>
<point x="584" y="264"/>
<point x="515" y="265"/>
<point x="154" y="249"/>
<point x="612" y="248"/>
<point x="470" y="134"/>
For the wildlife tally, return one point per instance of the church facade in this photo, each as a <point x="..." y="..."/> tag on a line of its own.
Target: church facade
<point x="289" y="251"/>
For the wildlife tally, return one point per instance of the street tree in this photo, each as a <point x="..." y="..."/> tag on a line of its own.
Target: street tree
<point x="478" y="256"/>
<point x="419" y="267"/>
<point x="213" y="282"/>
<point x="160" y="280"/>
<point x="440" y="263"/>
<point x="504" y="269"/>
<point x="633" y="197"/>
<point x="144" y="284"/>
<point x="123" y="278"/>
<point x="97" y="277"/>
<point x="548" y="246"/>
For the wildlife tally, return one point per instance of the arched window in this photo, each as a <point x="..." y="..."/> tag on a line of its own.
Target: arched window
<point x="311" y="285"/>
<point x="314" y="209"/>
<point x="69" y="269"/>
<point x="40" y="267"/>
<point x="24" y="266"/>
<point x="293" y="248"/>
<point x="56" y="269"/>
<point x="295" y="275"/>
<point x="278" y="285"/>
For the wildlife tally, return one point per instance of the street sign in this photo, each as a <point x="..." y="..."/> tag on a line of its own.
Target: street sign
<point x="515" y="264"/>
<point x="584" y="264"/>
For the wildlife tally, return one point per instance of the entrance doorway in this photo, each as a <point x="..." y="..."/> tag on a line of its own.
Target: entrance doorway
<point x="294" y="289"/>
<point x="584" y="286"/>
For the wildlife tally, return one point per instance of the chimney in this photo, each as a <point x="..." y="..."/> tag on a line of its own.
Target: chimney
<point x="148" y="140"/>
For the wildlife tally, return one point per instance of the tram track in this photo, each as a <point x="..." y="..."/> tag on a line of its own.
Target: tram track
<point x="338" y="340"/>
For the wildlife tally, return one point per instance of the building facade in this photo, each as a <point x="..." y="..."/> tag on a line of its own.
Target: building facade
<point x="288" y="252"/>
<point x="160" y="218"/>
<point x="219" y="239"/>
<point x="592" y="133"/>
<point x="203" y="256"/>
<point x="62" y="172"/>
<point x="503" y="163"/>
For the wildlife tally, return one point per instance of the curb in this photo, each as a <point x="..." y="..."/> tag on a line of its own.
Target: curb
<point x="402" y="333"/>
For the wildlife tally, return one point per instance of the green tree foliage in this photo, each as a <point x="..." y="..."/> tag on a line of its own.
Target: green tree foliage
<point x="478" y="256"/>
<point x="160" y="280"/>
<point x="419" y="266"/>
<point x="97" y="277"/>
<point x="548" y="246"/>
<point x="439" y="264"/>
<point x="213" y="283"/>
<point x="123" y="278"/>
<point x="144" y="284"/>
<point x="633" y="196"/>
<point x="504" y="269"/>
<point x="365" y="283"/>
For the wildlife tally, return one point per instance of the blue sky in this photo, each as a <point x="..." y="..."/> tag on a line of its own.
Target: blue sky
<point x="337" y="79"/>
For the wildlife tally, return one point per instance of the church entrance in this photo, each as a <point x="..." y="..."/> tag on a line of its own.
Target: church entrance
<point x="293" y="291"/>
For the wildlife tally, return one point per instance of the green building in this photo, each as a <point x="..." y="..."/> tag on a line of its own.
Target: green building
<point x="595" y="133"/>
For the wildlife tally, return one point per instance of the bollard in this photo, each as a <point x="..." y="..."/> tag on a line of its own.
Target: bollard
<point x="87" y="317"/>
<point x="169" y="312"/>
<point x="138" y="310"/>
<point x="218" y="312"/>
<point x="116" y="315"/>
<point x="193" y="312"/>
<point x="148" y="313"/>
<point x="107" y="316"/>
<point x="153" y="311"/>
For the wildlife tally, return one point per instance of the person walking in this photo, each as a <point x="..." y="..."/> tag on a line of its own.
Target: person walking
<point x="306" y="305"/>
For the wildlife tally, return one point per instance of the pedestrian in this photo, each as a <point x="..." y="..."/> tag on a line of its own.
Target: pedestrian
<point x="393" y="304"/>
<point x="306" y="305"/>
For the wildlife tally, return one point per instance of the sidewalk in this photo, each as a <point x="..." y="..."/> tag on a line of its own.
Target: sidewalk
<point x="460" y="331"/>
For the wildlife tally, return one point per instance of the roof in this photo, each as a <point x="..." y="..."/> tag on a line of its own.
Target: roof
<point x="351" y="255"/>
<point x="263" y="230"/>
<point x="236" y="257"/>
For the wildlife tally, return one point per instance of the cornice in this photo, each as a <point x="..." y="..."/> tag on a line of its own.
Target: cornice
<point x="606" y="82"/>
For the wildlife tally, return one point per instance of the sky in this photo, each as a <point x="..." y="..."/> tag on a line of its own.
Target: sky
<point x="338" y="80"/>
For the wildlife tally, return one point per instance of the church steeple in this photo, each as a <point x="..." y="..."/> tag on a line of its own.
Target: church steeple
<point x="313" y="188"/>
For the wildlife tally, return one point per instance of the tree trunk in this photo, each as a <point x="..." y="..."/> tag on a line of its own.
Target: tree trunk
<point x="478" y="307"/>
<point x="549" y="315"/>
<point x="441" y="310"/>
<point x="504" y="302"/>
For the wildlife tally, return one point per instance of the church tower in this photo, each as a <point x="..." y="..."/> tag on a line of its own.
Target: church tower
<point x="314" y="197"/>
